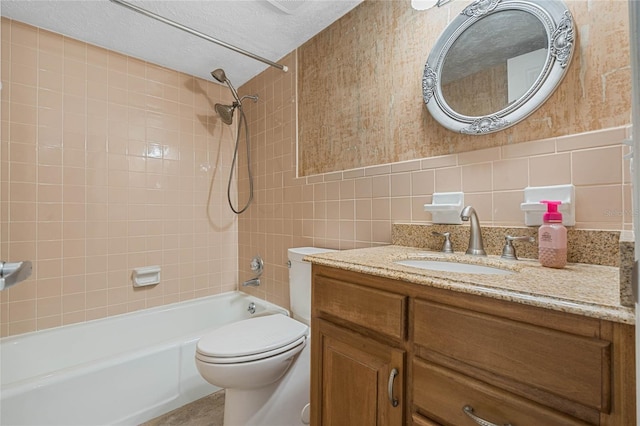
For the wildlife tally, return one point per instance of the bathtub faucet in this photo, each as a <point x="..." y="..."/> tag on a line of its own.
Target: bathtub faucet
<point x="253" y="282"/>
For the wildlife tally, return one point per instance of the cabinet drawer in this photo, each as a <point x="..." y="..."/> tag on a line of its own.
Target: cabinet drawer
<point x="418" y="420"/>
<point x="381" y="311"/>
<point x="441" y="394"/>
<point x="573" y="367"/>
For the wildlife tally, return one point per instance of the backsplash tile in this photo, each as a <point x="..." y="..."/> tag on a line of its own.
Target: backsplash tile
<point x="552" y="169"/>
<point x="627" y="260"/>
<point x="583" y="246"/>
<point x="477" y="177"/>
<point x="598" y="166"/>
<point x="510" y="174"/>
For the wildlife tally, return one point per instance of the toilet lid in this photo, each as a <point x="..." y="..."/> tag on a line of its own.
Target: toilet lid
<point x="251" y="336"/>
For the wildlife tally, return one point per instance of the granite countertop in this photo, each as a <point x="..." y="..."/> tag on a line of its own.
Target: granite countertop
<point x="583" y="289"/>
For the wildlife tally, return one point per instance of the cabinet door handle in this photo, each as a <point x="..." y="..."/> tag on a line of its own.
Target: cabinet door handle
<point x="468" y="410"/>
<point x="392" y="378"/>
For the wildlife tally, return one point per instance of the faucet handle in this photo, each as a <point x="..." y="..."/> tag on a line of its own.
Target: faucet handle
<point x="509" y="251"/>
<point x="446" y="247"/>
<point x="257" y="265"/>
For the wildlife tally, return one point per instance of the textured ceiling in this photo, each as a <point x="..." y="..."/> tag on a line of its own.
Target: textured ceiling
<point x="267" y="28"/>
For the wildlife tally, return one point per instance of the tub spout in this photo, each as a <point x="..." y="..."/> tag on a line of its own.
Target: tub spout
<point x="253" y="282"/>
<point x="476" y="246"/>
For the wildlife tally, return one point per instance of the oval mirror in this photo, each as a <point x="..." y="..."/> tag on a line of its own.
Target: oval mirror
<point x="496" y="63"/>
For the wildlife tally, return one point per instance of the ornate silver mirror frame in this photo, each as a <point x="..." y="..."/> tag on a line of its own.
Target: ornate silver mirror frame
<point x="557" y="22"/>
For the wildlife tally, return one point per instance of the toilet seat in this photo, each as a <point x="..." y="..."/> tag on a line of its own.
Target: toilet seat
<point x="251" y="339"/>
<point x="241" y="359"/>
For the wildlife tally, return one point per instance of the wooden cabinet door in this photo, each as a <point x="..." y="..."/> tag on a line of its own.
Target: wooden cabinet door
<point x="351" y="379"/>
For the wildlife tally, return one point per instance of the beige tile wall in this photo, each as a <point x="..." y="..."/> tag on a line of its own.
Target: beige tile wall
<point x="107" y="163"/>
<point x="102" y="176"/>
<point x="356" y="208"/>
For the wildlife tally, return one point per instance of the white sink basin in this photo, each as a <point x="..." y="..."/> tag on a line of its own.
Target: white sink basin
<point x="465" y="268"/>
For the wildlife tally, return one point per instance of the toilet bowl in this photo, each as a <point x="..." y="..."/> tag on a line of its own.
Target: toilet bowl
<point x="263" y="363"/>
<point x="252" y="353"/>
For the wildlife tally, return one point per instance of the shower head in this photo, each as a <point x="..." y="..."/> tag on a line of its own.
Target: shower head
<point x="226" y="112"/>
<point x="219" y="75"/>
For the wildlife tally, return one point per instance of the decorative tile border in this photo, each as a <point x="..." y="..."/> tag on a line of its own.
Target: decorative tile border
<point x="580" y="141"/>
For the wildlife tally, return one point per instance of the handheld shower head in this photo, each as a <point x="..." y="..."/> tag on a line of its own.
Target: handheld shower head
<point x="219" y="75"/>
<point x="226" y="112"/>
<point x="226" y="115"/>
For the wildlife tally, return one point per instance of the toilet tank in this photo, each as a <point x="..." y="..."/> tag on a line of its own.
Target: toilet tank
<point x="300" y="282"/>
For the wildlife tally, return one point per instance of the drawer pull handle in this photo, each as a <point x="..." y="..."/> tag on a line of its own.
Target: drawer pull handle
<point x="392" y="378"/>
<point x="468" y="410"/>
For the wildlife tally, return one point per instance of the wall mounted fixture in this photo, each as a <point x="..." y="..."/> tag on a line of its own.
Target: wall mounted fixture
<point x="146" y="275"/>
<point x="257" y="267"/>
<point x="533" y="209"/>
<point x="534" y="38"/>
<point x="11" y="273"/>
<point x="446" y="207"/>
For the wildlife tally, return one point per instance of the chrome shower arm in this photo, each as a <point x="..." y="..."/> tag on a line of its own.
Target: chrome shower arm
<point x="254" y="98"/>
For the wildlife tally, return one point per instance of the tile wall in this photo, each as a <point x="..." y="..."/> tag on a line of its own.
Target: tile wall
<point x="107" y="163"/>
<point x="356" y="208"/>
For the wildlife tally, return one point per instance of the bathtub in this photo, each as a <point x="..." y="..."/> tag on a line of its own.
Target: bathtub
<point x="121" y="370"/>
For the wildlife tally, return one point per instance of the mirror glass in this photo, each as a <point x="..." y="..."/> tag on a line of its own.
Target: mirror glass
<point x="496" y="63"/>
<point x="473" y="68"/>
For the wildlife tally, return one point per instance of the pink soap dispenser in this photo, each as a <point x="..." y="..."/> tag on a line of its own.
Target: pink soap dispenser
<point x="552" y="238"/>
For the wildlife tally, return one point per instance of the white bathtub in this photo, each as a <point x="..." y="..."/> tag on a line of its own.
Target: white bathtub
<point x="121" y="370"/>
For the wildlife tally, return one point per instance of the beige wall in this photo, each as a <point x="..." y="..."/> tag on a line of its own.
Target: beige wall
<point x="363" y="73"/>
<point x="84" y="194"/>
<point x="356" y="207"/>
<point x="106" y="165"/>
<point x="361" y="95"/>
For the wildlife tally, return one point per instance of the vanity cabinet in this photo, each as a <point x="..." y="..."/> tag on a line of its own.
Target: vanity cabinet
<point x="460" y="356"/>
<point x="490" y="364"/>
<point x="357" y="355"/>
<point x="361" y="379"/>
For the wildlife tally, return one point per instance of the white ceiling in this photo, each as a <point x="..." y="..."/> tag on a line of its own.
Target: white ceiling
<point x="267" y="28"/>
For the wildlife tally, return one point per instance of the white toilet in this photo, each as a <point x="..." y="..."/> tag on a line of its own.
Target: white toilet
<point x="263" y="362"/>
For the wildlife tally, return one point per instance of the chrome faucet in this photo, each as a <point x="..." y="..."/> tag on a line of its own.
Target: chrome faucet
<point x="253" y="282"/>
<point x="257" y="266"/>
<point x="509" y="251"/>
<point x="446" y="246"/>
<point x="476" y="246"/>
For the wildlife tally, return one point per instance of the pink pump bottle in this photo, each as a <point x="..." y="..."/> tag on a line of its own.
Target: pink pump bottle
<point x="552" y="238"/>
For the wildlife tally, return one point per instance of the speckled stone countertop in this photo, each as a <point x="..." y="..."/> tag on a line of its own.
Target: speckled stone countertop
<point x="589" y="290"/>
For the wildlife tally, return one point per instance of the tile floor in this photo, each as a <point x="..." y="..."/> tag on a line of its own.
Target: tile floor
<point x="207" y="411"/>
